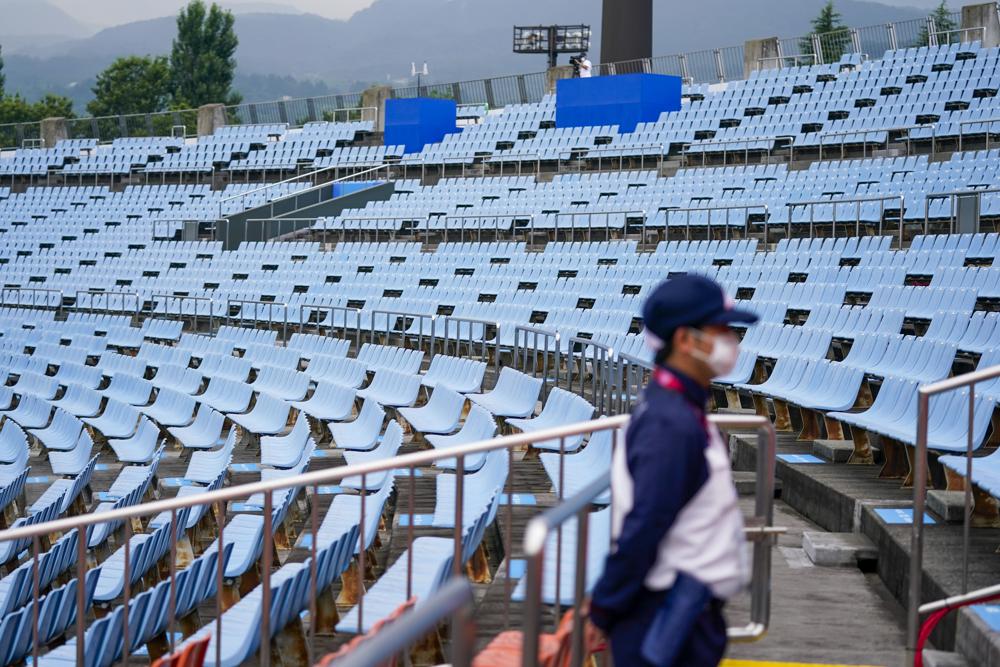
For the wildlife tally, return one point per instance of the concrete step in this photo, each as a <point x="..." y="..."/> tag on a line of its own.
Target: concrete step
<point x="746" y="483"/>
<point x="944" y="659"/>
<point x="947" y="504"/>
<point x="838" y="549"/>
<point x="837" y="451"/>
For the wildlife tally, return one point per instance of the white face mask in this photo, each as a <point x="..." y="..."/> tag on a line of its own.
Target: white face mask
<point x="725" y="351"/>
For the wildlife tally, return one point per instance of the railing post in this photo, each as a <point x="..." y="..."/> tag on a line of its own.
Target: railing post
<point x="917" y="532"/>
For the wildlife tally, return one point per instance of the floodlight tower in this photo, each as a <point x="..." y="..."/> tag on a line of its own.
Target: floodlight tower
<point x="551" y="40"/>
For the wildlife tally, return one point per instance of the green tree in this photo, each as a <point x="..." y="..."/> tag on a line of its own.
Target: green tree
<point x="827" y="21"/>
<point x="16" y="109"/>
<point x="130" y="85"/>
<point x="3" y="80"/>
<point x="943" y="22"/>
<point x="202" y="61"/>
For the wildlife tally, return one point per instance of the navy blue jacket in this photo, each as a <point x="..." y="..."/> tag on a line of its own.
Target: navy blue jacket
<point x="666" y="459"/>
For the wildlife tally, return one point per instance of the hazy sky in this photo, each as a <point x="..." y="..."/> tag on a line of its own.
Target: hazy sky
<point x="104" y="13"/>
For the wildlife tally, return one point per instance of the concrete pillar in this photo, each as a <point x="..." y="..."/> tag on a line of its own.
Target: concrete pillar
<point x="53" y="130"/>
<point x="376" y="97"/>
<point x="556" y="73"/>
<point x="754" y="50"/>
<point x="210" y="118"/>
<point x="982" y="16"/>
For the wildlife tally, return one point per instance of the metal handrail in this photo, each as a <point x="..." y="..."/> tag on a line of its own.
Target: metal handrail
<point x="933" y="34"/>
<point x="953" y="195"/>
<point x="924" y="393"/>
<point x="981" y="121"/>
<point x="308" y="174"/>
<point x="313" y="479"/>
<point x="895" y="128"/>
<point x="702" y="143"/>
<point x="452" y="600"/>
<point x="730" y="207"/>
<point x="960" y="600"/>
<point x="541" y="527"/>
<point x="857" y="201"/>
<point x="779" y="59"/>
<point x="573" y="215"/>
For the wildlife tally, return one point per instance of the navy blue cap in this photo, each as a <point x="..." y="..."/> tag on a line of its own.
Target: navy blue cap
<point x="690" y="301"/>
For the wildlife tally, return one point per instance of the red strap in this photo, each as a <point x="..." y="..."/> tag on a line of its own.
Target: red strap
<point x="669" y="381"/>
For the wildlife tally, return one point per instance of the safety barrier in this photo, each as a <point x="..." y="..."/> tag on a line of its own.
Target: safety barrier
<point x="837" y="203"/>
<point x="924" y="394"/>
<point x="759" y="530"/>
<point x="954" y="197"/>
<point x="534" y="347"/>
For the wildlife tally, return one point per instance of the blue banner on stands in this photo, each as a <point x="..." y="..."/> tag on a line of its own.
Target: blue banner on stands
<point x="417" y="121"/>
<point x="624" y="100"/>
<point x="341" y="189"/>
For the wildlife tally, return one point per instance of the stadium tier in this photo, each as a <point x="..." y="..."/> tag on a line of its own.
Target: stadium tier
<point x="337" y="393"/>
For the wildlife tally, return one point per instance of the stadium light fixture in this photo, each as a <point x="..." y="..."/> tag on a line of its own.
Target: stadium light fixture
<point x="551" y="39"/>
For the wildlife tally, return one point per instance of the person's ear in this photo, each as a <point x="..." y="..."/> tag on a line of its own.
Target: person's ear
<point x="682" y="340"/>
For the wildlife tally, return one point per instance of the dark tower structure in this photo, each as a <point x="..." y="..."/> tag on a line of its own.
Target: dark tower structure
<point x="626" y="30"/>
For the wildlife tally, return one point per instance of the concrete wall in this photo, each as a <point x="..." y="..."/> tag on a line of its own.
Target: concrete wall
<point x="53" y="130"/>
<point x="754" y="50"/>
<point x="210" y="118"/>
<point x="376" y="97"/>
<point x="982" y="15"/>
<point x="556" y="73"/>
<point x="301" y="213"/>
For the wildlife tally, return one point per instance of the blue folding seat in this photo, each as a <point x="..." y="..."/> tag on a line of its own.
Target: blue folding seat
<point x="61" y="433"/>
<point x="118" y="420"/>
<point x="362" y="433"/>
<point x="392" y="389"/>
<point x="561" y="408"/>
<point x="578" y="470"/>
<point x="514" y="394"/>
<point x="387" y="448"/>
<point x="226" y="396"/>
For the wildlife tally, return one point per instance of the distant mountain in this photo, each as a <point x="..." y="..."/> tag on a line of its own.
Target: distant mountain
<point x="459" y="39"/>
<point x="32" y="22"/>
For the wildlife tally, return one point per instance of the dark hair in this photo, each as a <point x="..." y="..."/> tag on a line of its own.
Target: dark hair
<point x="660" y="358"/>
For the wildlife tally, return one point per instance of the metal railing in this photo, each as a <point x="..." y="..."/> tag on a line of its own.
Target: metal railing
<point x="835" y="203"/>
<point x="863" y="132"/>
<point x="103" y="301"/>
<point x="472" y="333"/>
<point x="39" y="296"/>
<point x="295" y="195"/>
<point x="266" y="488"/>
<point x="452" y="601"/>
<point x="924" y="394"/>
<point x="706" y="66"/>
<point x="180" y="300"/>
<point x="243" y="305"/>
<point x="399" y="325"/>
<point x="982" y="121"/>
<point x="359" y="229"/>
<point x="941" y="608"/>
<point x="608" y="217"/>
<point x="759" y="530"/>
<point x="619" y="152"/>
<point x="584" y="353"/>
<point x="534" y="347"/>
<point x="934" y="36"/>
<point x="725" y="224"/>
<point x="710" y="143"/>
<point x="953" y="198"/>
<point x="795" y="59"/>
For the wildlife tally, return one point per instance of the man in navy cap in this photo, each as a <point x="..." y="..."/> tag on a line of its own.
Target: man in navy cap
<point x="679" y="549"/>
